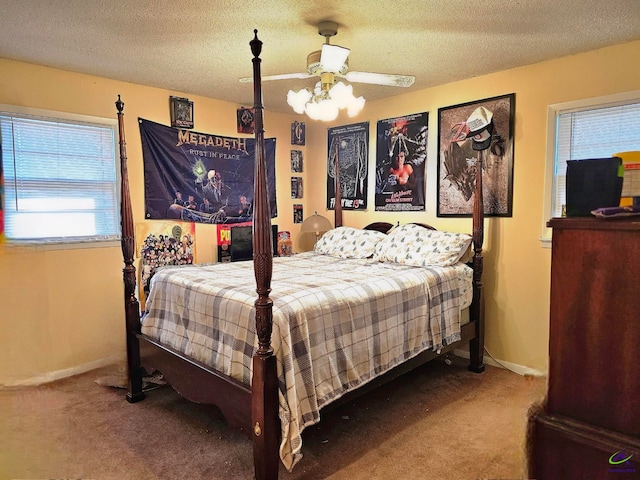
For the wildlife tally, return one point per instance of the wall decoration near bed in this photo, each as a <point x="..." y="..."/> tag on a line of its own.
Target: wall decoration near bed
<point x="200" y="177"/>
<point x="348" y="150"/>
<point x="298" y="133"/>
<point x="162" y="243"/>
<point x="401" y="158"/>
<point x="245" y="120"/>
<point x="296" y="187"/>
<point x="181" y="112"/>
<point x="457" y="158"/>
<point x="296" y="161"/>
<point x="298" y="213"/>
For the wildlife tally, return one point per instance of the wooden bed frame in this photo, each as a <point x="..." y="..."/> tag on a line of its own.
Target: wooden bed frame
<point x="255" y="409"/>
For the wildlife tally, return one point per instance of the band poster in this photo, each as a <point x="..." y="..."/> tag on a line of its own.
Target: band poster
<point x="348" y="152"/>
<point x="401" y="157"/>
<point x="200" y="177"/>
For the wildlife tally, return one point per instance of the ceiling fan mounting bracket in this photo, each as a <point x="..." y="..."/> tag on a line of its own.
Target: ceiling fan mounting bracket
<point x="328" y="29"/>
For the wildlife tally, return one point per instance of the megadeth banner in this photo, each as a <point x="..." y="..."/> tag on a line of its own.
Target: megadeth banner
<point x="400" y="163"/>
<point x="199" y="177"/>
<point x="349" y="153"/>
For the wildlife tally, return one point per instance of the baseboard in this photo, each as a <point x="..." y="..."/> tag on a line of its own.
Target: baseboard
<point x="67" y="372"/>
<point x="113" y="359"/>
<point x="514" y="367"/>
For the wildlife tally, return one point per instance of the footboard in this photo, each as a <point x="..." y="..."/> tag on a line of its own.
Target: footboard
<point x="199" y="383"/>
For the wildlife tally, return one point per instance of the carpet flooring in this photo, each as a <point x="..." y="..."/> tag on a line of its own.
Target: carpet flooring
<point x="437" y="422"/>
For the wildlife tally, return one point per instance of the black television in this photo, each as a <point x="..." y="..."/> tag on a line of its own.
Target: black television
<point x="593" y="183"/>
<point x="241" y="247"/>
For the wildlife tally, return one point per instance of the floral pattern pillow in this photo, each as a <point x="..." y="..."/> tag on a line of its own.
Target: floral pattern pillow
<point x="414" y="245"/>
<point x="348" y="242"/>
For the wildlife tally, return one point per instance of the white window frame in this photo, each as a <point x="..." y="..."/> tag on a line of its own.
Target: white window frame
<point x="553" y="111"/>
<point x="72" y="242"/>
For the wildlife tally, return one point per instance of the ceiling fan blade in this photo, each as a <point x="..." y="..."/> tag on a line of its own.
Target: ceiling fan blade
<point x="284" y="76"/>
<point x="333" y="58"/>
<point x="380" y="79"/>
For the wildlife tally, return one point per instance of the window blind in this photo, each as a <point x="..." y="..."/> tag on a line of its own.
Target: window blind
<point x="60" y="179"/>
<point x="594" y="133"/>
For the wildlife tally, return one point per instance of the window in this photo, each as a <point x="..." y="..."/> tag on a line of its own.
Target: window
<point x="593" y="128"/>
<point x="60" y="177"/>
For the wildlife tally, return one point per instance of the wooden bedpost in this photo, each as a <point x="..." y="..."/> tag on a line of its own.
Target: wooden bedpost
<point x="476" y="345"/>
<point x="337" y="214"/>
<point x="131" y="305"/>
<point x="264" y="385"/>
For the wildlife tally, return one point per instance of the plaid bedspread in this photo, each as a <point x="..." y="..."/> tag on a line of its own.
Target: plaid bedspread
<point x="336" y="324"/>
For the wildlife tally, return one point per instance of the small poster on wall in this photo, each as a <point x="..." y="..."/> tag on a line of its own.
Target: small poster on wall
<point x="296" y="161"/>
<point x="297" y="133"/>
<point x="347" y="159"/>
<point x="296" y="187"/>
<point x="297" y="213"/>
<point x="401" y="158"/>
<point x="246" y="120"/>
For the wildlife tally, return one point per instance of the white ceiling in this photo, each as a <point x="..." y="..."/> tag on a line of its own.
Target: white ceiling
<point x="202" y="47"/>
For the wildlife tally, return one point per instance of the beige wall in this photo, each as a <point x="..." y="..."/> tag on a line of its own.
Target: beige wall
<point x="57" y="314"/>
<point x="61" y="310"/>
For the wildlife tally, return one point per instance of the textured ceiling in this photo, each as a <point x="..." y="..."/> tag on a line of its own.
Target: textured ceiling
<point x="202" y="47"/>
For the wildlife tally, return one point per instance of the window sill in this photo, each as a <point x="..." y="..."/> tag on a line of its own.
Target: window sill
<point x="26" y="246"/>
<point x="545" y="242"/>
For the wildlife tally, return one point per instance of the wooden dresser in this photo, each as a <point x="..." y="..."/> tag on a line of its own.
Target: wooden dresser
<point x="589" y="425"/>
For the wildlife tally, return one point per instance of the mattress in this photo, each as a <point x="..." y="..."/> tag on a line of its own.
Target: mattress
<point x="337" y="323"/>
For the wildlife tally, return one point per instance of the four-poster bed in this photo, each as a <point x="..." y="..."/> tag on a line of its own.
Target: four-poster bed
<point x="267" y="387"/>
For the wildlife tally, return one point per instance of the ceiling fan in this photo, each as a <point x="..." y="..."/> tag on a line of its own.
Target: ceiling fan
<point x="332" y="61"/>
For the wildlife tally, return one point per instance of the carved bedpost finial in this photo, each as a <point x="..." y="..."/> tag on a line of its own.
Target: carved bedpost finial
<point x="119" y="104"/>
<point x="256" y="45"/>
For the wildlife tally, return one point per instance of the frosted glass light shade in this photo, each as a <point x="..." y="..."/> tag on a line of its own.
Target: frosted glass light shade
<point x="326" y="105"/>
<point x="298" y="100"/>
<point x="325" y="110"/>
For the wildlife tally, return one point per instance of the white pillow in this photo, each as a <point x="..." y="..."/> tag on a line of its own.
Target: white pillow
<point x="414" y="245"/>
<point x="348" y="242"/>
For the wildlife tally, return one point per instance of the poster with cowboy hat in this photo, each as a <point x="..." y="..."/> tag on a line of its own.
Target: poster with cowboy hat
<point x="482" y="129"/>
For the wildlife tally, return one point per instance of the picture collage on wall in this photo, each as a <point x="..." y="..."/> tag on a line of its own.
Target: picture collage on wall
<point x="297" y="167"/>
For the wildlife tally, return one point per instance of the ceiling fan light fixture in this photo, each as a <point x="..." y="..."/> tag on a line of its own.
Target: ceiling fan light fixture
<point x="298" y="100"/>
<point x="325" y="110"/>
<point x="355" y="106"/>
<point x="341" y="93"/>
<point x="325" y="104"/>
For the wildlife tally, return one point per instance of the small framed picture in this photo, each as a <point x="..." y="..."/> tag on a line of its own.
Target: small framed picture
<point x="246" y="120"/>
<point x="296" y="161"/>
<point x="297" y="213"/>
<point x="297" y="133"/>
<point x="296" y="187"/>
<point x="181" y="110"/>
